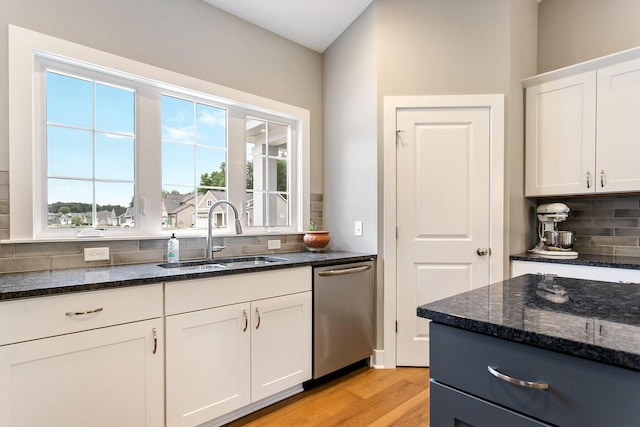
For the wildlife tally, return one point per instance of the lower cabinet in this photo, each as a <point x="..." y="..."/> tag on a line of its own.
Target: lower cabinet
<point x="222" y="359"/>
<point x="475" y="377"/>
<point x="605" y="274"/>
<point x="102" y="378"/>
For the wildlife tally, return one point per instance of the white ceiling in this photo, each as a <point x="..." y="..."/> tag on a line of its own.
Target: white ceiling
<point x="311" y="23"/>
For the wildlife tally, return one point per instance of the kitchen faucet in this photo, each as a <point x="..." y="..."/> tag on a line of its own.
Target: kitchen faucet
<point x="208" y="249"/>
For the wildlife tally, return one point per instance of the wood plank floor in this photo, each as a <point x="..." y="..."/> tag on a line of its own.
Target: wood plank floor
<point x="363" y="397"/>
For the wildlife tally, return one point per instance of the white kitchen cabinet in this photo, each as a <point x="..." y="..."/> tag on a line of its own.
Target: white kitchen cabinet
<point x="208" y="364"/>
<point x="235" y="342"/>
<point x="581" y="129"/>
<point x="560" y="136"/>
<point x="618" y="127"/>
<point x="280" y="344"/>
<point x="104" y="376"/>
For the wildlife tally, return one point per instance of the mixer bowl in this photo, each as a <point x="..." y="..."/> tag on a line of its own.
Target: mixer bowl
<point x="559" y="239"/>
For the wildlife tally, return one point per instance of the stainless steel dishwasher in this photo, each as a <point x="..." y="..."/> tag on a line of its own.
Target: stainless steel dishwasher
<point x="343" y="315"/>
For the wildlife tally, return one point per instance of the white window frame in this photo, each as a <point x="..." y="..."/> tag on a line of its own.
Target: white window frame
<point x="24" y="174"/>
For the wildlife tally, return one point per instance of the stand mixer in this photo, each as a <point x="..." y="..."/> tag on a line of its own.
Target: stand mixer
<point x="549" y="215"/>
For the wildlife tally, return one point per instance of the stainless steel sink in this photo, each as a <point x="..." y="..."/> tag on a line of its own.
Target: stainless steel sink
<point x="194" y="265"/>
<point x="219" y="264"/>
<point x="251" y="261"/>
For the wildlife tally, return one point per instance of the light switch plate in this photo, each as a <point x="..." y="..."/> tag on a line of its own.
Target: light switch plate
<point x="358" y="228"/>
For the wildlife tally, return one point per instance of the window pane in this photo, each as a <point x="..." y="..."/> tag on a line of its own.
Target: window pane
<point x="91" y="159"/>
<point x="194" y="159"/>
<point x="69" y="152"/>
<point x="69" y="101"/>
<point x="211" y="126"/>
<point x="177" y="120"/>
<point x="114" y="204"/>
<point x="211" y="167"/>
<point x="69" y="203"/>
<point x="114" y="157"/>
<point x="282" y="174"/>
<point x="267" y="173"/>
<point x="114" y="109"/>
<point x="178" y="164"/>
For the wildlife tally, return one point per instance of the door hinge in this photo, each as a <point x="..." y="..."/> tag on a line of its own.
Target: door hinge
<point x="396" y="233"/>
<point x="396" y="326"/>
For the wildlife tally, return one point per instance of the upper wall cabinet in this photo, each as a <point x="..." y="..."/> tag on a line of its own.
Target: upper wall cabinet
<point x="582" y="128"/>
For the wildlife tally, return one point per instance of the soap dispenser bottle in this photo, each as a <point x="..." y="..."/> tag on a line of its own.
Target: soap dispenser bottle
<point x="173" y="249"/>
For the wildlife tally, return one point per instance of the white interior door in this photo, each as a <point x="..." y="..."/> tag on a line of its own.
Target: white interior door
<point x="443" y="180"/>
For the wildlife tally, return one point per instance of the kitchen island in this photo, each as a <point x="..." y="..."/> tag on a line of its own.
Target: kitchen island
<point x="536" y="350"/>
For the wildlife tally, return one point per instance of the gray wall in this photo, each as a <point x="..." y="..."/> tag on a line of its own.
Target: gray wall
<point x="350" y="132"/>
<point x="187" y="36"/>
<point x="421" y="48"/>
<point x="572" y="31"/>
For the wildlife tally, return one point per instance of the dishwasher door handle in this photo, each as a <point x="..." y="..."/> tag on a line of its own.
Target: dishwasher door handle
<point x="342" y="271"/>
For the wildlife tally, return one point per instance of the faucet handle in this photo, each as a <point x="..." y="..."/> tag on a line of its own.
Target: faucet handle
<point x="217" y="248"/>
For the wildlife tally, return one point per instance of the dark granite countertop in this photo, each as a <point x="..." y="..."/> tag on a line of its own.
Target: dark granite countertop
<point x="26" y="285"/>
<point x="519" y="310"/>
<point x="610" y="261"/>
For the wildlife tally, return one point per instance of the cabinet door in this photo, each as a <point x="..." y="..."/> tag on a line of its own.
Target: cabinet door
<point x="105" y="377"/>
<point x="208" y="364"/>
<point x="560" y="136"/>
<point x="618" y="134"/>
<point x="281" y="343"/>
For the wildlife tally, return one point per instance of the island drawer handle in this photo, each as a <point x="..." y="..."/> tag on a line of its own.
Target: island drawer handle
<point x="521" y="383"/>
<point x="82" y="313"/>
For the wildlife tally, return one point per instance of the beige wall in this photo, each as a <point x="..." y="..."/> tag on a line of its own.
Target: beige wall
<point x="187" y="36"/>
<point x="572" y="31"/>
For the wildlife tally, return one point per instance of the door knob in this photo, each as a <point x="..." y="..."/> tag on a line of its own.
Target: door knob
<point x="482" y="251"/>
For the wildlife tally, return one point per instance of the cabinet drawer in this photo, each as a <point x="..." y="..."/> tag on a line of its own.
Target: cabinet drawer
<point x="41" y="317"/>
<point x="449" y="407"/>
<point x="581" y="392"/>
<point x="200" y="294"/>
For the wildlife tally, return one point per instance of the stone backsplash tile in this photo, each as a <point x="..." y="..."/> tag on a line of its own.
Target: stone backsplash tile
<point x="15" y="257"/>
<point x="604" y="225"/>
<point x="15" y="265"/>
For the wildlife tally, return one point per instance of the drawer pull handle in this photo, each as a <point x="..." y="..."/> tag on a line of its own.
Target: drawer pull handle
<point x="246" y="320"/>
<point x="83" y="313"/>
<point x="258" y="313"/>
<point x="511" y="380"/>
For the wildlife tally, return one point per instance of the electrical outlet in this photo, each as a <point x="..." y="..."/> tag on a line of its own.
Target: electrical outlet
<point x="273" y="244"/>
<point x="96" y="254"/>
<point x="358" y="229"/>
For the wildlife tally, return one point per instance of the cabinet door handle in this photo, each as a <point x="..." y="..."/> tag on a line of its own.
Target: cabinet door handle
<point x="602" y="178"/>
<point x="83" y="313"/>
<point x="155" y="340"/>
<point x="246" y="320"/>
<point x="258" y="323"/>
<point x="511" y="380"/>
<point x="588" y="179"/>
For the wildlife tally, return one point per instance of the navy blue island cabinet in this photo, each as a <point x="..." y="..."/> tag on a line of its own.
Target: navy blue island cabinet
<point x="499" y="356"/>
<point x="483" y="381"/>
